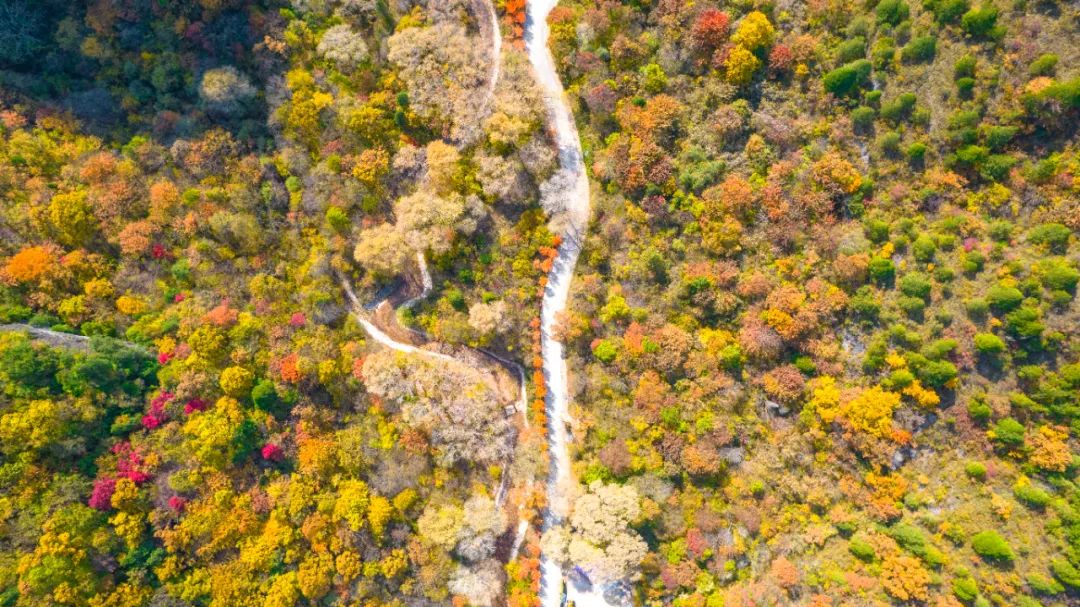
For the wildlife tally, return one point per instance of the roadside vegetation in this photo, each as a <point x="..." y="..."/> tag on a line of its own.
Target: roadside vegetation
<point x="822" y="339"/>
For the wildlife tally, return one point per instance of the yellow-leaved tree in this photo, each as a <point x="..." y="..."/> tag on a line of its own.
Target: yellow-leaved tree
<point x="871" y="411"/>
<point x="741" y="65"/>
<point x="352" y="503"/>
<point x="754" y="32"/>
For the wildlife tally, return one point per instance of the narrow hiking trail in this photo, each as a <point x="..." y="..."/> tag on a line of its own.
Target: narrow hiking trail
<point x="378" y="334"/>
<point x="576" y="207"/>
<point x="425" y="282"/>
<point x="496" y="50"/>
<point x="368" y="323"/>
<point x="574" y="210"/>
<point x="487" y="8"/>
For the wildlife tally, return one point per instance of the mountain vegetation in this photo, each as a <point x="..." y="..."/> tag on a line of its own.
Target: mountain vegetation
<point x="271" y="276"/>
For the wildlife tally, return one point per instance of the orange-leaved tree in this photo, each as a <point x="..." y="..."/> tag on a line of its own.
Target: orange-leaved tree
<point x="30" y="264"/>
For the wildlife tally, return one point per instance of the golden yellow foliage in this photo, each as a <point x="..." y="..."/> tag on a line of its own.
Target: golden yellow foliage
<point x="754" y="31"/>
<point x="871" y="411"/>
<point x="130" y="305"/>
<point x="315" y="575"/>
<point x="1001" y="506"/>
<point x="211" y="433"/>
<point x="722" y="237"/>
<point x="394" y="564"/>
<point x="781" y="321"/>
<point x="404" y="500"/>
<point x="371" y="165"/>
<point x="302" y="113"/>
<point x="440" y="525"/>
<point x="380" y="510"/>
<point x="316" y="455"/>
<point x="1050" y="451"/>
<point x="98" y="288"/>
<point x="348" y="565"/>
<point x="328" y="371"/>
<point x="367" y="121"/>
<point x="284" y="591"/>
<point x="895" y="360"/>
<point x="905" y="578"/>
<point x="824" y="398"/>
<point x="352" y="503"/>
<point x="38" y="425"/>
<point x="208" y="342"/>
<point x="889" y="486"/>
<point x="124" y="595"/>
<point x="924" y="397"/>
<point x="298" y="79"/>
<point x="836" y="175"/>
<point x="236" y="381"/>
<point x="741" y="65"/>
<point x="714" y="340"/>
<point x="71" y="217"/>
<point x="442" y="161"/>
<point x="126" y="495"/>
<point x="73" y="310"/>
<point x="129" y="527"/>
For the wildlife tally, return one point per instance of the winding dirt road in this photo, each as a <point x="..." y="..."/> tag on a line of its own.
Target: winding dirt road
<point x="575" y="210"/>
<point x="575" y="205"/>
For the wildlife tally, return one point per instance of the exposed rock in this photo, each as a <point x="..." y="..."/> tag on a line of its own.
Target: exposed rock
<point x="775" y="408"/>
<point x="900" y="456"/>
<point x="732" y="455"/>
<point x="53" y="338"/>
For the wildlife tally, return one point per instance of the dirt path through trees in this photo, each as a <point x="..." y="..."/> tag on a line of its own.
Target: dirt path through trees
<point x="571" y="201"/>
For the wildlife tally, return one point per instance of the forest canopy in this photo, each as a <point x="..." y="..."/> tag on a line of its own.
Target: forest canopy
<point x="273" y="278"/>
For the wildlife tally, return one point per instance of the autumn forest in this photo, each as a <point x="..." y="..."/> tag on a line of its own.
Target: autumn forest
<point x="539" y="303"/>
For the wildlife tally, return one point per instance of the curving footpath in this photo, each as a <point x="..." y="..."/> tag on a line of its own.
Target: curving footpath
<point x="368" y="322"/>
<point x="575" y="205"/>
<point x="375" y="332"/>
<point x="496" y="50"/>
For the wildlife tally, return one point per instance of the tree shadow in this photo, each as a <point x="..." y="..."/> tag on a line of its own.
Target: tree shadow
<point x="131" y="72"/>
